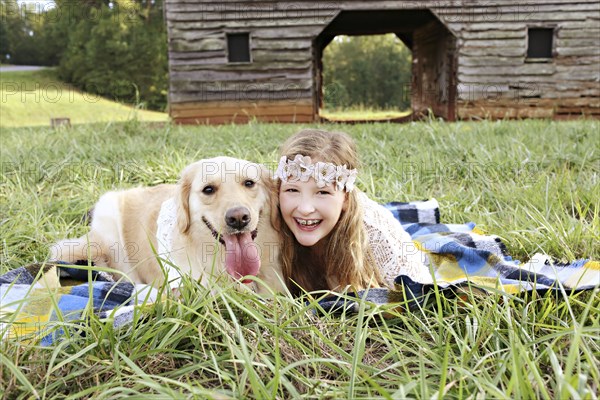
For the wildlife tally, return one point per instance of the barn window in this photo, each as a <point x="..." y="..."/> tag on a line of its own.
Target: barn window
<point x="238" y="47"/>
<point x="539" y="42"/>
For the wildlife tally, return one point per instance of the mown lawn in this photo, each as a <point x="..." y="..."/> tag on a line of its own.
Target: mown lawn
<point x="534" y="183"/>
<point x="32" y="98"/>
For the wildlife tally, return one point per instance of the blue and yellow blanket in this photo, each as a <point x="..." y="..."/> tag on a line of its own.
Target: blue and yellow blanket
<point x="33" y="298"/>
<point x="460" y="256"/>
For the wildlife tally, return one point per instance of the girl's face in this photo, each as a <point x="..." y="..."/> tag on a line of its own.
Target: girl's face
<point x="309" y="211"/>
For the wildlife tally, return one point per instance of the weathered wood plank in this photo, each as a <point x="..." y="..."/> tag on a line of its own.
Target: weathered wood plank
<point x="491" y="51"/>
<point x="578" y="51"/>
<point x="492" y="34"/>
<point x="237" y="104"/>
<point x="275" y="66"/>
<point x="243" y="111"/>
<point x="179" y="45"/>
<point x="260" y="43"/>
<point x="492" y="62"/>
<point x="495" y="43"/>
<point x="243" y="119"/>
<point x="579" y="42"/>
<point x="577" y="75"/>
<point x="578" y="33"/>
<point x="283" y="18"/>
<point x="255" y="111"/>
<point x="181" y="55"/>
<point x="302" y="32"/>
<point x="577" y="60"/>
<point x="271" y="86"/>
<point x="301" y="55"/>
<point x="396" y="3"/>
<point x="526" y="90"/>
<point x="488" y="111"/>
<point x="587" y="97"/>
<point x="521" y="26"/>
<point x="258" y="55"/>
<point x="213" y="75"/>
<point x="246" y="108"/>
<point x="489" y="61"/>
<point x="532" y="108"/>
<point x="176" y="63"/>
<point x="516" y="69"/>
<point x="181" y="96"/>
<point x="195" y="22"/>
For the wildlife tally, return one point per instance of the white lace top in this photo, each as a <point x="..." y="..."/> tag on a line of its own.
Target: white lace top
<point x="392" y="247"/>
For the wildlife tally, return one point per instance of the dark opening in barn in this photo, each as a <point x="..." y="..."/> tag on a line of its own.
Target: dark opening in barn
<point x="539" y="43"/>
<point x="366" y="78"/>
<point x="433" y="80"/>
<point x="238" y="47"/>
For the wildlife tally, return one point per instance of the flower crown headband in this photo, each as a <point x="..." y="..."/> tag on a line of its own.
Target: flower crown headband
<point x="301" y="168"/>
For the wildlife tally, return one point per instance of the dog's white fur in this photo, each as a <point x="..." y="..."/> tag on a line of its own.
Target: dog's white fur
<point x="124" y="225"/>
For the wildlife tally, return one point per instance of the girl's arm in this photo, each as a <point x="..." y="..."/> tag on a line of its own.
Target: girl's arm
<point x="393" y="249"/>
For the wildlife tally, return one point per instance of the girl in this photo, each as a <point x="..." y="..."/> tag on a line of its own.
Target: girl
<point x="332" y="235"/>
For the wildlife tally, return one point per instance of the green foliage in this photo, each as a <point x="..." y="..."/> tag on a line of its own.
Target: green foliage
<point x="20" y="34"/>
<point x="114" y="49"/>
<point x="121" y="53"/>
<point x="369" y="71"/>
<point x="57" y="29"/>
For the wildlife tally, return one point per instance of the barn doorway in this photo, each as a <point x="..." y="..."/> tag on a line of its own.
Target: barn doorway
<point x="366" y="78"/>
<point x="433" y="76"/>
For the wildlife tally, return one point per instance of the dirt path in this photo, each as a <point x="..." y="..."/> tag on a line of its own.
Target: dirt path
<point x="14" y="68"/>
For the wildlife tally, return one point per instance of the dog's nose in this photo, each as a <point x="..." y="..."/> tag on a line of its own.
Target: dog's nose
<point x="237" y="217"/>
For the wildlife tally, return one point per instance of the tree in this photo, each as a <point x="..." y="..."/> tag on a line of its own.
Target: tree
<point x="118" y="50"/>
<point x="114" y="48"/>
<point x="372" y="71"/>
<point x="19" y="29"/>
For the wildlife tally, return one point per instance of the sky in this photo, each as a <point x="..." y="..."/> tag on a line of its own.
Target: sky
<point x="39" y="5"/>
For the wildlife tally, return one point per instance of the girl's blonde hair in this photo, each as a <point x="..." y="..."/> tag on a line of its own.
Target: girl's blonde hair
<point x="347" y="259"/>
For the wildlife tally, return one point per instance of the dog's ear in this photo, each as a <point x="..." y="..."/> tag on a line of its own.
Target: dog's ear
<point x="183" y="200"/>
<point x="271" y="187"/>
<point x="265" y="178"/>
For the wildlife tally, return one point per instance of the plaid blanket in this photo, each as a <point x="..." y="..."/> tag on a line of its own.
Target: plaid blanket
<point x="460" y="256"/>
<point x="33" y="303"/>
<point x="33" y="300"/>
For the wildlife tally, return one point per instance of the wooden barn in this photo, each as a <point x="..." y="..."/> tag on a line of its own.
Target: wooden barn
<point x="233" y="61"/>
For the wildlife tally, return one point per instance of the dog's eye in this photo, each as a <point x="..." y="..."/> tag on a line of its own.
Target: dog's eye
<point x="249" y="183"/>
<point x="209" y="189"/>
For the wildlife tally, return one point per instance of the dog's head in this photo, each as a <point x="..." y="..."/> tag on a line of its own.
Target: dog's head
<point x="226" y="197"/>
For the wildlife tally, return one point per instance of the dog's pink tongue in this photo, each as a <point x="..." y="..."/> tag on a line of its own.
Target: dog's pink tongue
<point x="241" y="256"/>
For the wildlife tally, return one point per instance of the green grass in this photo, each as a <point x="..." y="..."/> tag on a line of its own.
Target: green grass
<point x="535" y="183"/>
<point x="32" y="98"/>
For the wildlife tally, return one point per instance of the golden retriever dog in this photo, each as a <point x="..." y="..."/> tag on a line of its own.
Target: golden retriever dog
<point x="215" y="221"/>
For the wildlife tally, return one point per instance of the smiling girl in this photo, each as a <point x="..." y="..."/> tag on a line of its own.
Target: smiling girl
<point x="332" y="235"/>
